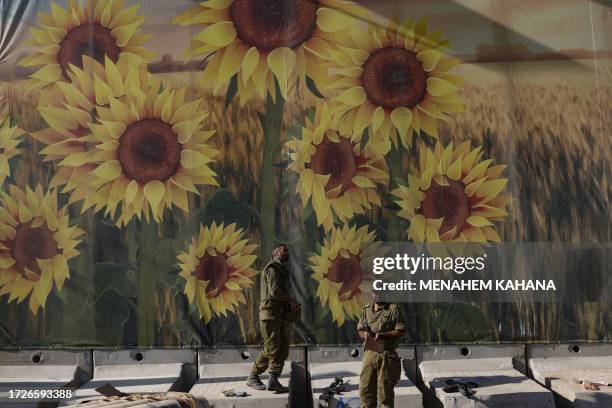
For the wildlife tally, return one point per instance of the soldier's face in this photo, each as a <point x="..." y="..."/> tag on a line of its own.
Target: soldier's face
<point x="283" y="254"/>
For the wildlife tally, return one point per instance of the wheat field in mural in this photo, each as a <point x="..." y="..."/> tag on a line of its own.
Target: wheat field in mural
<point x="546" y="136"/>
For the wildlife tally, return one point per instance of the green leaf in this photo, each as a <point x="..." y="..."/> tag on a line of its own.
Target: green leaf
<point x="312" y="87"/>
<point x="166" y="267"/>
<point x="118" y="276"/>
<point x="310" y="113"/>
<point x="232" y="89"/>
<point x="394" y="206"/>
<point x="282" y="165"/>
<point x="224" y="207"/>
<point x="307" y="211"/>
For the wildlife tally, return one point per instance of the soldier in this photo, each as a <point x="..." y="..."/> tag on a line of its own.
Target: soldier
<point x="380" y="326"/>
<point x="277" y="310"/>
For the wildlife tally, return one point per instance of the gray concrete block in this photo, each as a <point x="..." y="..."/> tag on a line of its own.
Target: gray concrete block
<point x="500" y="385"/>
<point x="559" y="367"/>
<point x="140" y="371"/>
<point x="326" y="363"/>
<point x="226" y="369"/>
<point x="41" y="370"/>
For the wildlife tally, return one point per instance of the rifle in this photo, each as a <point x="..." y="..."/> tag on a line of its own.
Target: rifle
<point x="464" y="388"/>
<point x="338" y="386"/>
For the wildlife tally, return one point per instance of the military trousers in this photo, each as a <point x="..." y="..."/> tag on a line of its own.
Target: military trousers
<point x="276" y="336"/>
<point x="380" y="372"/>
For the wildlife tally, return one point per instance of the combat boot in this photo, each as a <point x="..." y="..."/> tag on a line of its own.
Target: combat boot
<point x="254" y="382"/>
<point x="274" y="385"/>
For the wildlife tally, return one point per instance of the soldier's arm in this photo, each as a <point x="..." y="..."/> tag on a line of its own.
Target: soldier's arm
<point x="363" y="334"/>
<point x="398" y="331"/>
<point x="361" y="326"/>
<point x="276" y="290"/>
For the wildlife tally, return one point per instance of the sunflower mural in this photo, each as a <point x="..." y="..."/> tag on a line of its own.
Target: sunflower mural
<point x="71" y="112"/>
<point x="344" y="282"/>
<point x="260" y="40"/>
<point x="217" y="268"/>
<point x="393" y="80"/>
<point x="98" y="29"/>
<point x="149" y="148"/>
<point x="453" y="196"/>
<point x="254" y="104"/>
<point x="36" y="242"/>
<point x="10" y="137"/>
<point x="336" y="173"/>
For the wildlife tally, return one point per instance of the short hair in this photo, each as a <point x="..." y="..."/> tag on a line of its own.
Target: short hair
<point x="277" y="249"/>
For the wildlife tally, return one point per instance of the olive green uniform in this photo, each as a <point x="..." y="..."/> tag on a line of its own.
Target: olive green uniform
<point x="380" y="371"/>
<point x="275" y="329"/>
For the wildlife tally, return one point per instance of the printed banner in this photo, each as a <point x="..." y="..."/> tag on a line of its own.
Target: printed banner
<point x="154" y="153"/>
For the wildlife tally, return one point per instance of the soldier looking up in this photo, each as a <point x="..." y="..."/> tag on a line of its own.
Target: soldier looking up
<point x="277" y="310"/>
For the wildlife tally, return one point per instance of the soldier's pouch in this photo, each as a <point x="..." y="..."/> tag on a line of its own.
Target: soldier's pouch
<point x="270" y="311"/>
<point x="393" y="367"/>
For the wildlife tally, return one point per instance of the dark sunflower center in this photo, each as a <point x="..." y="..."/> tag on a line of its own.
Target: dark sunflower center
<point x="270" y="24"/>
<point x="214" y="269"/>
<point x="31" y="244"/>
<point x="149" y="150"/>
<point x="337" y="159"/>
<point x="92" y="40"/>
<point x="449" y="202"/>
<point x="348" y="272"/>
<point x="393" y="77"/>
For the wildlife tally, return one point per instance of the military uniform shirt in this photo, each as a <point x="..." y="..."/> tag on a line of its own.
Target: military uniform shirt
<point x="274" y="291"/>
<point x="385" y="319"/>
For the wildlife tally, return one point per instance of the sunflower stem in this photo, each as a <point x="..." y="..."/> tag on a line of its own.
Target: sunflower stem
<point x="396" y="169"/>
<point x="271" y="123"/>
<point x="146" y="284"/>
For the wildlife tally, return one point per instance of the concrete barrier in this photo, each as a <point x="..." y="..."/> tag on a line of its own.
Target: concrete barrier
<point x="49" y="370"/>
<point x="492" y="368"/>
<point x="562" y="367"/>
<point x="327" y="363"/>
<point x="140" y="371"/>
<point x="227" y="369"/>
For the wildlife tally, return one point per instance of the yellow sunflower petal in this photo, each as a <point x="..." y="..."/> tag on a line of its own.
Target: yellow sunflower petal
<point x="218" y="35"/>
<point x="282" y="63"/>
<point x="109" y="170"/>
<point x="333" y="20"/>
<point x="440" y="87"/>
<point x="49" y="74"/>
<point x="154" y="192"/>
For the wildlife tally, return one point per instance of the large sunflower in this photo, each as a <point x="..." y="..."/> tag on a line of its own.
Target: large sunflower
<point x="345" y="282"/>
<point x="393" y="80"/>
<point x="36" y="243"/>
<point x="217" y="268"/>
<point x="453" y="196"/>
<point x="10" y="137"/>
<point x="260" y="40"/>
<point x="150" y="150"/>
<point x="70" y="112"/>
<point x="338" y="174"/>
<point x="97" y="29"/>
